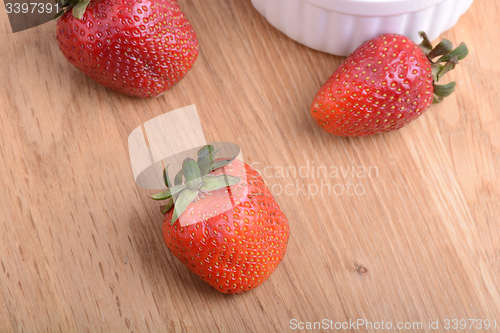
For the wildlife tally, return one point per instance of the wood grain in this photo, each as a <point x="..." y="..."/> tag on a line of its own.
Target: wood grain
<point x="81" y="246"/>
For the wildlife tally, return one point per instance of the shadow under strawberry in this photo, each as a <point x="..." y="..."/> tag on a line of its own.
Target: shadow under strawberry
<point x="164" y="274"/>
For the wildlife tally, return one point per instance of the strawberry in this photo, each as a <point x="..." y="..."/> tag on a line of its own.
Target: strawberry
<point x="223" y="222"/>
<point x="140" y="48"/>
<point x="384" y="84"/>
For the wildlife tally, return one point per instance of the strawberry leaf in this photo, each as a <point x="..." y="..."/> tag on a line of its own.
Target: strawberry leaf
<point x="426" y="44"/>
<point x="79" y="8"/>
<point x="459" y="53"/>
<point x="205" y="151"/>
<point x="190" y="169"/>
<point x="204" y="164"/>
<point x="436" y="69"/>
<point x="212" y="183"/>
<point x="166" y="179"/>
<point x="168" y="193"/>
<point x="182" y="202"/>
<point x="167" y="207"/>
<point x="178" y="178"/>
<point x="446" y="68"/>
<point x="444" y="47"/>
<point x="444" y="90"/>
<point x="206" y="156"/>
<point x="58" y="15"/>
<point x="221" y="163"/>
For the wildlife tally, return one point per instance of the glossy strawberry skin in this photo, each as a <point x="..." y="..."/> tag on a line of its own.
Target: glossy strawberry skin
<point x="383" y="85"/>
<point x="236" y="250"/>
<point x="140" y="48"/>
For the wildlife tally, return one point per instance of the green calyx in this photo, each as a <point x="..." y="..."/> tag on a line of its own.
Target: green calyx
<point x="447" y="59"/>
<point x="77" y="6"/>
<point x="198" y="181"/>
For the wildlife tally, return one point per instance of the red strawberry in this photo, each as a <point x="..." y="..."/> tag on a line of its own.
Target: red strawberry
<point x="384" y="84"/>
<point x="224" y="225"/>
<point x="137" y="47"/>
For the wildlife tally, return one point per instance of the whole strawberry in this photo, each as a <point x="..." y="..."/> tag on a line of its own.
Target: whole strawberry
<point x="140" y="48"/>
<point x="384" y="84"/>
<point x="223" y="223"/>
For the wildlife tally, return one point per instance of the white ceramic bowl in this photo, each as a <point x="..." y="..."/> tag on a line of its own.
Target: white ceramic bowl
<point x="340" y="26"/>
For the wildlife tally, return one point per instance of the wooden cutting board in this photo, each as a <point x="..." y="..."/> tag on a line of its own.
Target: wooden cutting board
<point x="414" y="238"/>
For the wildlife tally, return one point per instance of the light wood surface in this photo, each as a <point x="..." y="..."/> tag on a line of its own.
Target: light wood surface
<point x="81" y="246"/>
